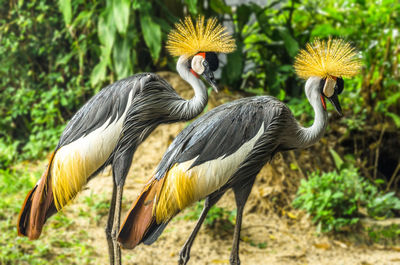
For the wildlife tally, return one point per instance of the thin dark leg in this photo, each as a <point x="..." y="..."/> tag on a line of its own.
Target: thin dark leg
<point x="121" y="165"/>
<point x="116" y="223"/>
<point x="241" y="191"/>
<point x="110" y="225"/>
<point x="184" y="255"/>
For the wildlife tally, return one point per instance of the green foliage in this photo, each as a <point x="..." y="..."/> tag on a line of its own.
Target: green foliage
<point x="270" y="44"/>
<point x="151" y="34"/>
<point x="13" y="182"/>
<point x="337" y="199"/>
<point x="8" y="152"/>
<point x="42" y="75"/>
<point x="384" y="235"/>
<point x="381" y="205"/>
<point x="339" y="163"/>
<point x="66" y="9"/>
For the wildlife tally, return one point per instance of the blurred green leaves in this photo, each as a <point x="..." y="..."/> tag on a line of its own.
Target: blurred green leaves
<point x="121" y="10"/>
<point x="291" y="45"/>
<point x="336" y="200"/>
<point x="106" y="30"/>
<point x="120" y="38"/>
<point x="192" y="5"/>
<point x="122" y="58"/>
<point x="151" y="34"/>
<point x="220" y="7"/>
<point x="66" y="10"/>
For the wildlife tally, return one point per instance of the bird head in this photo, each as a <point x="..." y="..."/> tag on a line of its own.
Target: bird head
<point x="199" y="44"/>
<point x="328" y="62"/>
<point x="204" y="64"/>
<point x="330" y="88"/>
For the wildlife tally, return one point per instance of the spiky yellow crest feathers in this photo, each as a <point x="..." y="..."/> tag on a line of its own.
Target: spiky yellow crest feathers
<point x="188" y="39"/>
<point x="326" y="59"/>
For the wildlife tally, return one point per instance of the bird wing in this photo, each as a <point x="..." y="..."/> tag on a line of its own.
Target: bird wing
<point x="206" y="154"/>
<point x="219" y="133"/>
<point x="202" y="158"/>
<point x="105" y="107"/>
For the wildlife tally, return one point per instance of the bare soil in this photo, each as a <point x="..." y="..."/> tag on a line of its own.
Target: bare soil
<point x="272" y="232"/>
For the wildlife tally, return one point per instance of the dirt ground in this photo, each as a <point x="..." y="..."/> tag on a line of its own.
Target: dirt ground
<point x="267" y="237"/>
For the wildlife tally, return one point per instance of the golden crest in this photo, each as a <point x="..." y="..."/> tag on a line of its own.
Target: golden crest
<point x="326" y="59"/>
<point x="188" y="39"/>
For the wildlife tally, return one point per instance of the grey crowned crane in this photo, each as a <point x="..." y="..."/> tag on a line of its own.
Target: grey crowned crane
<point x="228" y="146"/>
<point x="109" y="127"/>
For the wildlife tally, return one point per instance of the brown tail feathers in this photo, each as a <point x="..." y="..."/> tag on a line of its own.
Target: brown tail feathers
<point x="38" y="207"/>
<point x="140" y="219"/>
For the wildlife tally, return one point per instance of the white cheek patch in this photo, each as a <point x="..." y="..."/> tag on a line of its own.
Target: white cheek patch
<point x="329" y="87"/>
<point x="197" y="64"/>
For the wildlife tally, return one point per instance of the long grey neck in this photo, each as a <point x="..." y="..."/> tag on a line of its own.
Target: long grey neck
<point x="188" y="109"/>
<point x="310" y="135"/>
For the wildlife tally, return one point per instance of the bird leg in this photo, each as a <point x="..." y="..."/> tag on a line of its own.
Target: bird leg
<point x="116" y="224"/>
<point x="241" y="191"/>
<point x="109" y="225"/>
<point x="184" y="254"/>
<point x="120" y="165"/>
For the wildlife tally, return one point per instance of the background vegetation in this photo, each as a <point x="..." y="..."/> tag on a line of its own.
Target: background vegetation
<point x="55" y="55"/>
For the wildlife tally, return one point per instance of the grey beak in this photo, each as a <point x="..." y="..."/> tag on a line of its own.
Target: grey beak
<point x="209" y="77"/>
<point x="335" y="102"/>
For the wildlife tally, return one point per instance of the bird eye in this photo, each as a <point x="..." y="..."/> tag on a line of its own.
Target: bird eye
<point x="339" y="85"/>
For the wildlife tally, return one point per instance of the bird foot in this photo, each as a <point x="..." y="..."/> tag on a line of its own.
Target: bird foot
<point x="234" y="260"/>
<point x="184" y="256"/>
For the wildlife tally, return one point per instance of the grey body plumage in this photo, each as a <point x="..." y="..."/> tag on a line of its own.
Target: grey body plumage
<point x="222" y="134"/>
<point x="221" y="131"/>
<point x="154" y="101"/>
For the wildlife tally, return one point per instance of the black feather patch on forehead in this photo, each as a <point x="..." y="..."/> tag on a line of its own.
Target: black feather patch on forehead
<point x="212" y="59"/>
<point x="339" y="85"/>
<point x="321" y="85"/>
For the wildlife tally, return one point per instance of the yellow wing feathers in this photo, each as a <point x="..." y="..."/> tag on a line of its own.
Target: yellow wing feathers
<point x="69" y="174"/>
<point x="178" y="191"/>
<point x="188" y="39"/>
<point x="332" y="58"/>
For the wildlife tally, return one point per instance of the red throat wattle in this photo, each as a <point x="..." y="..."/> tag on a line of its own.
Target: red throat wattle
<point x="323" y="102"/>
<point x="194" y="73"/>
